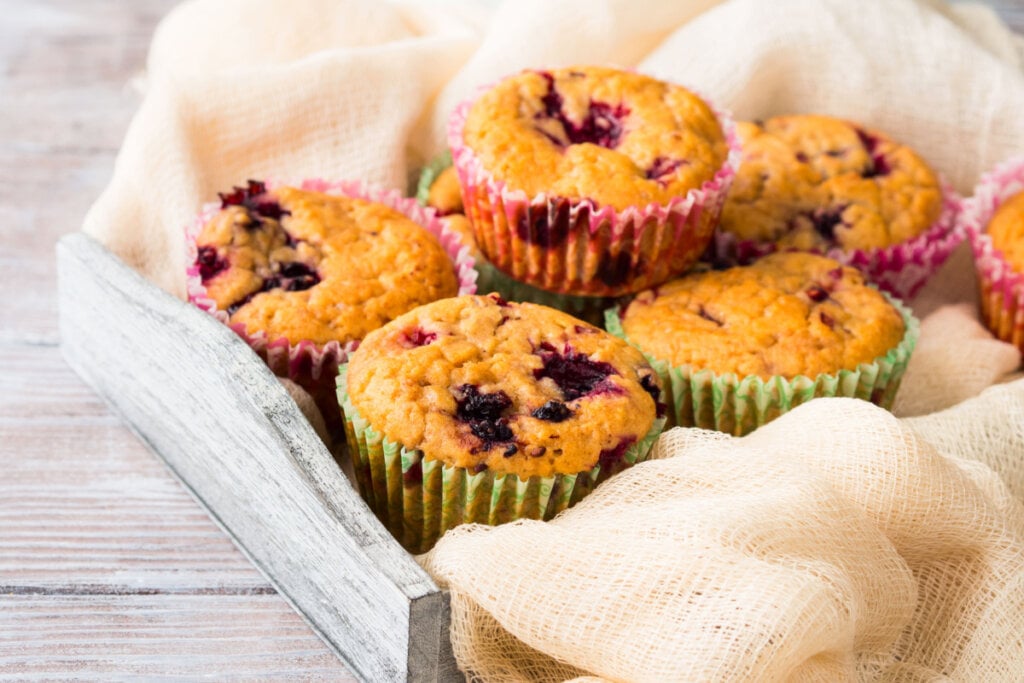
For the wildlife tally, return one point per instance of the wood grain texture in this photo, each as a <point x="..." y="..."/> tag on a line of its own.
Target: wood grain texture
<point x="231" y="433"/>
<point x="108" y="568"/>
<point x="157" y="636"/>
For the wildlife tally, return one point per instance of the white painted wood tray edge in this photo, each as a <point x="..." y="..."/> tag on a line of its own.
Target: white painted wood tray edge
<point x="198" y="396"/>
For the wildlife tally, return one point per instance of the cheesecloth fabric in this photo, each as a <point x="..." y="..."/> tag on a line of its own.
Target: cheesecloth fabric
<point x="837" y="543"/>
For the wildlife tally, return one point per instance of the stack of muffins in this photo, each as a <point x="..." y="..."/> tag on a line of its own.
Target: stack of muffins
<point x="729" y="264"/>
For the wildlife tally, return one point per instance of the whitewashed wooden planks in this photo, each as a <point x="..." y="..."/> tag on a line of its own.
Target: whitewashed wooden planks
<point x="107" y="566"/>
<point x="100" y="548"/>
<point x="156" y="635"/>
<point x="199" y="396"/>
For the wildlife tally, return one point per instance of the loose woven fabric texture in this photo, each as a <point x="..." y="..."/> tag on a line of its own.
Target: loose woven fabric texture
<point x="839" y="542"/>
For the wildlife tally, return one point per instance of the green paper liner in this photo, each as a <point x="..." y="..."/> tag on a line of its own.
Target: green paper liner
<point x="418" y="498"/>
<point x="588" y="308"/>
<point x="726" y="403"/>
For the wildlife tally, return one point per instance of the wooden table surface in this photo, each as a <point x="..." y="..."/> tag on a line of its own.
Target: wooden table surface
<point x="107" y="566"/>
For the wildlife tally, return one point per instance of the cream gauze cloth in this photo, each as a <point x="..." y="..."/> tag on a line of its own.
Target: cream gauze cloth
<point x="837" y="543"/>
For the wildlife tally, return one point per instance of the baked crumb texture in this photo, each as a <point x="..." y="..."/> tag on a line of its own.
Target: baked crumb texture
<point x="788" y="314"/>
<point x="815" y="182"/>
<point x="742" y="345"/>
<point x="481" y="383"/>
<point x="591" y="181"/>
<point x="311" y="266"/>
<point x="824" y="185"/>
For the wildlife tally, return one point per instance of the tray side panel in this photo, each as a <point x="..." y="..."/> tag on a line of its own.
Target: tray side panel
<point x="224" y="425"/>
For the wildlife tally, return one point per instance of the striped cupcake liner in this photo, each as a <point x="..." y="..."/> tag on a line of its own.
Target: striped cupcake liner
<point x="1001" y="287"/>
<point x="418" y="499"/>
<point x="576" y="247"/>
<point x="738" y="406"/>
<point x="310" y="365"/>
<point x="587" y="308"/>
<point x="900" y="269"/>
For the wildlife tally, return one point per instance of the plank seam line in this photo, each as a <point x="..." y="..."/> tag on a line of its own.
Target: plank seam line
<point x="100" y="590"/>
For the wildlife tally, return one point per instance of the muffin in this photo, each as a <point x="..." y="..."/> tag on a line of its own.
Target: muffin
<point x="994" y="220"/>
<point x="304" y="273"/>
<point x="739" y="347"/>
<point x="820" y="184"/>
<point x="475" y="409"/>
<point x="591" y="181"/>
<point x="439" y="189"/>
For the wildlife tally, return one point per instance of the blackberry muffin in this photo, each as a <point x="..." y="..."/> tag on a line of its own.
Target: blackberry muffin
<point x="475" y="409"/>
<point x="994" y="219"/>
<point x="820" y="184"/>
<point x="303" y="275"/>
<point x="591" y="181"/>
<point x="741" y="346"/>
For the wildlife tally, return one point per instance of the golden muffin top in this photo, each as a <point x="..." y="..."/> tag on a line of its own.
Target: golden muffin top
<point x="482" y="383"/>
<point x="614" y="137"/>
<point x="786" y="315"/>
<point x="815" y="182"/>
<point x="304" y="265"/>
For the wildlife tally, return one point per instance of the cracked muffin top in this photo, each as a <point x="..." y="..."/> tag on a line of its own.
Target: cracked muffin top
<point x="786" y="315"/>
<point x="305" y="265"/>
<point x="814" y="182"/>
<point x="481" y="383"/>
<point x="1006" y="228"/>
<point x="614" y="137"/>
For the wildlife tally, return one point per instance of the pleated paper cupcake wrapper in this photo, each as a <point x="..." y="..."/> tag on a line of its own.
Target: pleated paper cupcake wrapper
<point x="726" y="403"/>
<point x="418" y="498"/>
<point x="1001" y="288"/>
<point x="901" y="269"/>
<point x="587" y="308"/>
<point x="314" y="366"/>
<point x="576" y="247"/>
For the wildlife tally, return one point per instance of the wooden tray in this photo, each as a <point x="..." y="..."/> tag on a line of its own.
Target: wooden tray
<point x="205" y="403"/>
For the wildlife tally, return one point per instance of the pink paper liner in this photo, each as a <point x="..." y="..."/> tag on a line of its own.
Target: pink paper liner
<point x="900" y="269"/>
<point x="1001" y="287"/>
<point x="315" y="366"/>
<point x="661" y="240"/>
